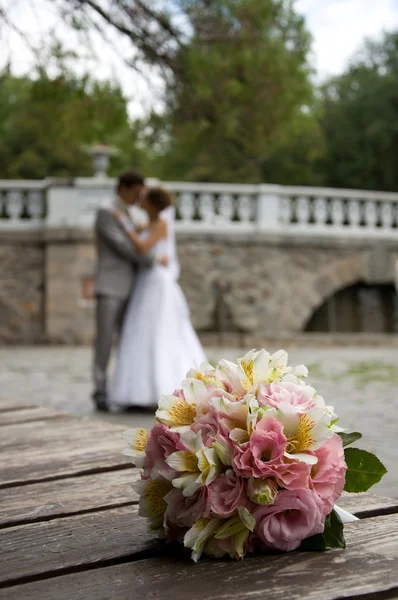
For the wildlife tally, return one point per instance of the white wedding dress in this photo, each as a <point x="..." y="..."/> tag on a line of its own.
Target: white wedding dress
<point x="158" y="344"/>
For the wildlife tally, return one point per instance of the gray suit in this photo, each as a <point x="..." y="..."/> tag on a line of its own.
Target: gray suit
<point x="117" y="261"/>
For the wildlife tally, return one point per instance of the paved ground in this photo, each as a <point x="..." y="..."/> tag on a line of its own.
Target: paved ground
<point x="361" y="383"/>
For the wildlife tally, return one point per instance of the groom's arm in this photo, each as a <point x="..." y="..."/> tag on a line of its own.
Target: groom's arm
<point x="115" y="237"/>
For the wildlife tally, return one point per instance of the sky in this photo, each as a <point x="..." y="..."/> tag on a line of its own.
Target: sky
<point x="338" y="28"/>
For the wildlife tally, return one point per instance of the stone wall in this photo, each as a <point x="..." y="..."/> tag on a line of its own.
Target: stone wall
<point x="273" y="285"/>
<point x="265" y="286"/>
<point x="21" y="287"/>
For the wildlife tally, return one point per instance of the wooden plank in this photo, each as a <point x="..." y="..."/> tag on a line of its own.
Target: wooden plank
<point x="27" y="415"/>
<point x="51" y="546"/>
<point x="25" y="435"/>
<point x="45" y="500"/>
<point x="93" y="455"/>
<point x="310" y="575"/>
<point x="59" y="448"/>
<point x="368" y="505"/>
<point x="7" y="404"/>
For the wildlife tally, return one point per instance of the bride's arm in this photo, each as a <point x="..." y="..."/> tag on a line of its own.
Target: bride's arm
<point x="158" y="231"/>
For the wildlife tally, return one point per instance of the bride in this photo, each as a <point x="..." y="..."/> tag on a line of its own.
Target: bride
<point x="158" y="343"/>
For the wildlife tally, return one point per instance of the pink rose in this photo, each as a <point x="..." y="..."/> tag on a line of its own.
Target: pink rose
<point x="295" y="515"/>
<point x="302" y="396"/>
<point x="328" y="475"/>
<point x="227" y="492"/>
<point x="263" y="456"/>
<point x="184" y="512"/>
<point x="161" y="443"/>
<point x="208" y="426"/>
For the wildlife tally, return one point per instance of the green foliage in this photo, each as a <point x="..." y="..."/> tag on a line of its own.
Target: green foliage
<point x="46" y="120"/>
<point x="349" y="438"/>
<point x="234" y="109"/>
<point x="360" y="120"/>
<point x="332" y="537"/>
<point x="363" y="470"/>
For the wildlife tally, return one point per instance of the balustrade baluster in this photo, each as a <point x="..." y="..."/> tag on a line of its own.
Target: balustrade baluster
<point x="354" y="213"/>
<point x="320" y="211"/>
<point x="370" y="214"/>
<point x="244" y="209"/>
<point x="337" y="212"/>
<point x="206" y="207"/>
<point x="186" y="206"/>
<point x="303" y="211"/>
<point x="35" y="206"/>
<point x="225" y="209"/>
<point x="387" y="215"/>
<point x="14" y="206"/>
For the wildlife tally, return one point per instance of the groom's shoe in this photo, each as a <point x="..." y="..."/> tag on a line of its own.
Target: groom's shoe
<point x="100" y="402"/>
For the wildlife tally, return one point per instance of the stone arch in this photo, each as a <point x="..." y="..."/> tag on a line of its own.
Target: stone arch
<point x="337" y="275"/>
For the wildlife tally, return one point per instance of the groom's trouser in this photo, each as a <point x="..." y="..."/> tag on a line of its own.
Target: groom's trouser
<point x="109" y="319"/>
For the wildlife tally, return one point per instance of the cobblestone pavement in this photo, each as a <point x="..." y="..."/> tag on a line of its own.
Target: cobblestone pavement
<point x="361" y="383"/>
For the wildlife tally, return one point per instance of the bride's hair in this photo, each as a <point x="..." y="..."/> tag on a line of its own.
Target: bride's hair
<point x="159" y="198"/>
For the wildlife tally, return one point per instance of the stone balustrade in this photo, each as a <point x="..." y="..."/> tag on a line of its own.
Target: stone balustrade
<point x="200" y="207"/>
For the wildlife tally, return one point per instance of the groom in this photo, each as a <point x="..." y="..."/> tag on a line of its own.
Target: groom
<point x="117" y="261"/>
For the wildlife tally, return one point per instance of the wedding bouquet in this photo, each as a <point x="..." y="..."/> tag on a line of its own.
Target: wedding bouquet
<point x="248" y="457"/>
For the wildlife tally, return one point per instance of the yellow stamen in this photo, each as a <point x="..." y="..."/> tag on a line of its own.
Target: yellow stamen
<point x="182" y="413"/>
<point x="191" y="462"/>
<point x="247" y="367"/>
<point x="302" y="441"/>
<point x="154" y="495"/>
<point x="141" y="439"/>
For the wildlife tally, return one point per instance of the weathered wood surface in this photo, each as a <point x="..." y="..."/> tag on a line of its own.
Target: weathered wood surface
<point x="310" y="575"/>
<point x="44" y="433"/>
<point x="37" y="413"/>
<point x="43" y="450"/>
<point x="69" y="529"/>
<point x="368" y="505"/>
<point x="52" y="546"/>
<point x="50" y="499"/>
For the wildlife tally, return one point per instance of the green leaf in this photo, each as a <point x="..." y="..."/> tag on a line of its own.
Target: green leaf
<point x="332" y="536"/>
<point x="349" y="438"/>
<point x="363" y="470"/>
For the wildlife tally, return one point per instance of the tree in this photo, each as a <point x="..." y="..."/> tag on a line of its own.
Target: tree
<point x="360" y="120"/>
<point x="242" y="81"/>
<point x="45" y="121"/>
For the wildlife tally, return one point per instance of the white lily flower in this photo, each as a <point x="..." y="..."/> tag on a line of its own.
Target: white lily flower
<point x="223" y="450"/>
<point x="304" y="432"/>
<point x="178" y="413"/>
<point x="137" y="440"/>
<point x="199" y="534"/>
<point x="235" y="532"/>
<point x="205" y="369"/>
<point x="152" y="504"/>
<point x="196" y="394"/>
<point x="199" y="465"/>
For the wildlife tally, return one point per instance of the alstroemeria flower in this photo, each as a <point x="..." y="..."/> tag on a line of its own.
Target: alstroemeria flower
<point x="152" y="503"/>
<point x="304" y="432"/>
<point x="137" y="440"/>
<point x="208" y="374"/>
<point x="199" y="465"/>
<point x="176" y="412"/>
<point x="233" y="534"/>
<point x="199" y="534"/>
<point x="255" y="368"/>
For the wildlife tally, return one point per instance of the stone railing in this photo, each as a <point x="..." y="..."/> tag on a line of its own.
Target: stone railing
<point x="209" y="207"/>
<point x="22" y="204"/>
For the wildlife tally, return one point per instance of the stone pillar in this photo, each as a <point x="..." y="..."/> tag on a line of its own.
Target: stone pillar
<point x="70" y="264"/>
